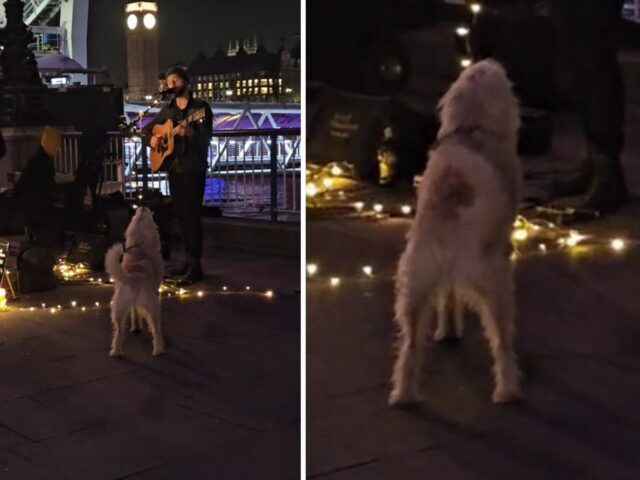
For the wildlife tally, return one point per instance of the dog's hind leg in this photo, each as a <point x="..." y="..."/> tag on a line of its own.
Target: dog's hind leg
<point x="118" y="320"/>
<point x="153" y="314"/>
<point x="496" y="313"/>
<point x="450" y="313"/>
<point x="413" y="317"/>
<point x="459" y="308"/>
<point x="136" y="320"/>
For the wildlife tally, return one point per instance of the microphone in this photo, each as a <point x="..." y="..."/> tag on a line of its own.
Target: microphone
<point x="166" y="91"/>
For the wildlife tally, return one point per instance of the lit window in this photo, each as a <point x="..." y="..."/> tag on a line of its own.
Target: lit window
<point x="210" y="85"/>
<point x="238" y="91"/>
<point x="271" y="81"/>
<point x="263" y="90"/>
<point x="255" y="90"/>
<point x="250" y="83"/>
<point x="280" y="81"/>
<point x="244" y="83"/>
<point x="263" y="81"/>
<point x="199" y="86"/>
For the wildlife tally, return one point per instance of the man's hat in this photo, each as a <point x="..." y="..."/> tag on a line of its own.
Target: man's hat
<point x="179" y="71"/>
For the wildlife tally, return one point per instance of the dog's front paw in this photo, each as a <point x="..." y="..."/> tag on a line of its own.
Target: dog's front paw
<point x="158" y="351"/>
<point x="403" y="398"/>
<point x="115" y="353"/>
<point x="506" y="394"/>
<point x="439" y="335"/>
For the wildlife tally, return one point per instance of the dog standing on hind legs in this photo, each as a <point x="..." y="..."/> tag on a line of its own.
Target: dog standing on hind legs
<point x="137" y="279"/>
<point x="458" y="246"/>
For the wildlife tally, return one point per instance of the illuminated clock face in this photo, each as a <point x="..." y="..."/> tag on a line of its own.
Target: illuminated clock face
<point x="132" y="21"/>
<point x="149" y="20"/>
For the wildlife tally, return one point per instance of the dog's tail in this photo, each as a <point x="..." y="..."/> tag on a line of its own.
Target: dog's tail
<point x="113" y="265"/>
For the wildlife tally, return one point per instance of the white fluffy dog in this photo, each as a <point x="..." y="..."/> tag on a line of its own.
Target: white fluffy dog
<point x="137" y="280"/>
<point x="458" y="246"/>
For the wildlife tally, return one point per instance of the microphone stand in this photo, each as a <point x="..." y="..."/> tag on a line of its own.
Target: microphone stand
<point x="130" y="129"/>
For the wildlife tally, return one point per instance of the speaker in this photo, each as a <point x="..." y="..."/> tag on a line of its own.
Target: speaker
<point x="348" y="128"/>
<point x="89" y="249"/>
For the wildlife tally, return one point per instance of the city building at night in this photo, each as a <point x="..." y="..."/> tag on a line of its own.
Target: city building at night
<point x="247" y="72"/>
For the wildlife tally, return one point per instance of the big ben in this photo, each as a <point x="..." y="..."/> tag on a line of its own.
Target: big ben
<point x="142" y="49"/>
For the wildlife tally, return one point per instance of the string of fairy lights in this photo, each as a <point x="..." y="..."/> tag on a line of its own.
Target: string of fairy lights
<point x="80" y="274"/>
<point x="334" y="186"/>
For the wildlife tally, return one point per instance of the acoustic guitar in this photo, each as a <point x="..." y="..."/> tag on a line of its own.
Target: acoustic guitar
<point x="167" y="142"/>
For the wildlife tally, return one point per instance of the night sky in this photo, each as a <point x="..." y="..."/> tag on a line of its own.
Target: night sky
<point x="189" y="26"/>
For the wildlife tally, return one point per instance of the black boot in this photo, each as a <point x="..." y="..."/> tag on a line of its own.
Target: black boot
<point x="180" y="269"/>
<point x="608" y="192"/>
<point x="194" y="272"/>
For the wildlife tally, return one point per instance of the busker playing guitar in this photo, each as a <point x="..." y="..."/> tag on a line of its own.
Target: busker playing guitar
<point x="189" y="132"/>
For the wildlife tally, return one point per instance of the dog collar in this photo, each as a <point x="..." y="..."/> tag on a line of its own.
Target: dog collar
<point x="465" y="131"/>
<point x="132" y="247"/>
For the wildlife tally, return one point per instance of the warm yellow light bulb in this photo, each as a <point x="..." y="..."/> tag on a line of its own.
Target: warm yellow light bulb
<point x="334" y="282"/>
<point x="312" y="269"/>
<point x="618" y="244"/>
<point x="368" y="270"/>
<point x="462" y="31"/>
<point x="574" y="238"/>
<point x="269" y="294"/>
<point x="465" y="62"/>
<point x="336" y="171"/>
<point x="378" y="208"/>
<point x="359" y="206"/>
<point x="520" y="234"/>
<point x="327" y="182"/>
<point x="476" y="8"/>
<point x="406" y="209"/>
<point x="200" y="293"/>
<point x="312" y="190"/>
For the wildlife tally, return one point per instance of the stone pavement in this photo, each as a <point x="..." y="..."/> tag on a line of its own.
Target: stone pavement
<point x="222" y="403"/>
<point x="579" y="334"/>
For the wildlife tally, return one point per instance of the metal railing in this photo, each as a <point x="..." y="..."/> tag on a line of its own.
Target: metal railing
<point x="250" y="172"/>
